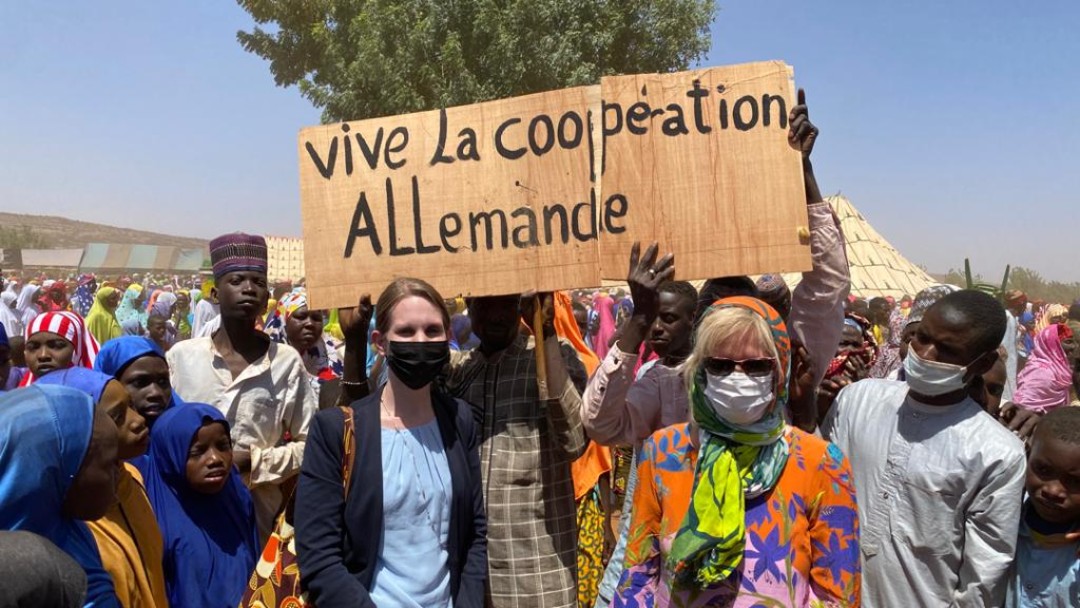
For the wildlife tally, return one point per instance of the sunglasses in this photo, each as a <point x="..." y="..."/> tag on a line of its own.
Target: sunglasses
<point x="717" y="366"/>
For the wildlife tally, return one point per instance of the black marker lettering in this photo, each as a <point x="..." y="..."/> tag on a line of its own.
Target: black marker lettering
<point x="362" y="213"/>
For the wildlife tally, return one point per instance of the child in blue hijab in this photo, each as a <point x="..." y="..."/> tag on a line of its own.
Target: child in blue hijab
<point x="127" y="535"/>
<point x="206" y="515"/>
<point x="58" y="461"/>
<point x="140" y="366"/>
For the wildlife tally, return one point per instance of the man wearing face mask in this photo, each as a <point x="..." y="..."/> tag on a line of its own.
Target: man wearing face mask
<point x="527" y="446"/>
<point x="938" y="482"/>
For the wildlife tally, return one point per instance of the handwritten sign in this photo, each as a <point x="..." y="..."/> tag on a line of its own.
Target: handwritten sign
<point x="702" y="159"/>
<point x="487" y="199"/>
<point x="547" y="191"/>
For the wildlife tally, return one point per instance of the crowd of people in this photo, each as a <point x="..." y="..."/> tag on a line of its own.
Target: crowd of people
<point x="169" y="441"/>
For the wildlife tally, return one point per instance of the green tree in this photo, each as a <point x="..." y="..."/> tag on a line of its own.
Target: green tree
<point x="359" y="59"/>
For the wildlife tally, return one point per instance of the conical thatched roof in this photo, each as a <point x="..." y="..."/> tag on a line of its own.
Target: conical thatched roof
<point x="877" y="268"/>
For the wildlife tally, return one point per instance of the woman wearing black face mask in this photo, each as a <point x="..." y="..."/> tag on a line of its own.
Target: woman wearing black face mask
<point x="411" y="531"/>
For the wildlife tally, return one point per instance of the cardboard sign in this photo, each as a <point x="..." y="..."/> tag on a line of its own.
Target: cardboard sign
<point x="488" y="199"/>
<point x="548" y="191"/>
<point x="703" y="162"/>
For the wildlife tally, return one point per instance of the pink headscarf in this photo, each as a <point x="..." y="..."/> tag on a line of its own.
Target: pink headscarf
<point x="604" y="307"/>
<point x="1045" y="381"/>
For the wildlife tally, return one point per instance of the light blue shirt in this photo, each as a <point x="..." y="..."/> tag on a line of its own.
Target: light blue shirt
<point x="1044" y="577"/>
<point x="412" y="567"/>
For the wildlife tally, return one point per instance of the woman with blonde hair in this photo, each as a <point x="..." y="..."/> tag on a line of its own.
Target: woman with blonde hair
<point x="737" y="507"/>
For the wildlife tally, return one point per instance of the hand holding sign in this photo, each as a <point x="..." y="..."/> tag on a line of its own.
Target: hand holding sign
<point x="546" y="300"/>
<point x="801" y="132"/>
<point x="355" y="322"/>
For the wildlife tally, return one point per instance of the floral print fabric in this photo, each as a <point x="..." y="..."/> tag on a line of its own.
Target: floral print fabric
<point x="802" y="538"/>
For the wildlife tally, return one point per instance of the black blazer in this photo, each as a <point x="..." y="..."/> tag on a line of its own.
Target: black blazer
<point x="337" y="540"/>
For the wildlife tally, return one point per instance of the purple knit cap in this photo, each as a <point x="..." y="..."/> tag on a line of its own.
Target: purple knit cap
<point x="236" y="252"/>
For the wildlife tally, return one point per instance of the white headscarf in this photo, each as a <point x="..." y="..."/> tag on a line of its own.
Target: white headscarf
<point x="12" y="321"/>
<point x="25" y="306"/>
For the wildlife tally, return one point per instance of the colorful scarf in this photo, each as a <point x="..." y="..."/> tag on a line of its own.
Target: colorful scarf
<point x="83" y="298"/>
<point x="321" y="360"/>
<point x="70" y="327"/>
<point x="734" y="463"/>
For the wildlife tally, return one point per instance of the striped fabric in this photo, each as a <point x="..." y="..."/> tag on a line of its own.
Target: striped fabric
<point x="71" y="327"/>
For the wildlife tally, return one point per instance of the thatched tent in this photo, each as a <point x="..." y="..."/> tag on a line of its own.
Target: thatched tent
<point x="877" y="268"/>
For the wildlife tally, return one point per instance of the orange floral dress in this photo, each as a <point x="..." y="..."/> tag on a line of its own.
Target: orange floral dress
<point x="802" y="537"/>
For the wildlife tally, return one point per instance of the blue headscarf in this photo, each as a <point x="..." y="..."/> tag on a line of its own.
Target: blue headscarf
<point x="211" y="542"/>
<point x="44" y="436"/>
<point x="116" y="354"/>
<point x="86" y="380"/>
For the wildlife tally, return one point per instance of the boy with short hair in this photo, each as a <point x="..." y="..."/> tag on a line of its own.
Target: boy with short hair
<point x="260" y="386"/>
<point x="1046" y="573"/>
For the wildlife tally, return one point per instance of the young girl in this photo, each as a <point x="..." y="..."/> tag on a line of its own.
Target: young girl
<point x="57" y="340"/>
<point x="205" y="513"/>
<point x="411" y="533"/>
<point x="127" y="536"/>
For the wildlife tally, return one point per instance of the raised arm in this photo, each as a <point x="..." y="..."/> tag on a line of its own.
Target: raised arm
<point x="610" y="415"/>
<point x="817" y="304"/>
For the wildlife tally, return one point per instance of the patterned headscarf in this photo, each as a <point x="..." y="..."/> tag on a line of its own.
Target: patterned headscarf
<point x="69" y="326"/>
<point x="734" y="463"/>
<point x="83" y="298"/>
<point x="127" y="312"/>
<point x="321" y="360"/>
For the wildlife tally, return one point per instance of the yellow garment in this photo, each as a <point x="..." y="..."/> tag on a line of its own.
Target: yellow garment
<point x="590" y="556"/>
<point x="207" y="286"/>
<point x="130" y="545"/>
<point x="879" y="334"/>
<point x="100" y="320"/>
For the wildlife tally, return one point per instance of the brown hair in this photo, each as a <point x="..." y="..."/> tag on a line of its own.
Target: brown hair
<point x="399" y="290"/>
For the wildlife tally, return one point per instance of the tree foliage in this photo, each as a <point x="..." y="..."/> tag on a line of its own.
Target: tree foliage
<point x="365" y="58"/>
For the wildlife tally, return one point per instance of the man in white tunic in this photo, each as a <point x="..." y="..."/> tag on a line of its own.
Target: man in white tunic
<point x="260" y="386"/>
<point x="938" y="481"/>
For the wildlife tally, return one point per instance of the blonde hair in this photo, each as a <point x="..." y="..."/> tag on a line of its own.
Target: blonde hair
<point x="724" y="325"/>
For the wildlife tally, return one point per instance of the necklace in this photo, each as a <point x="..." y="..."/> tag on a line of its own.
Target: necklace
<point x="395" y="423"/>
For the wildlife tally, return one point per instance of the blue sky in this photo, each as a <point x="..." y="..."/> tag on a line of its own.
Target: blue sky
<point x="953" y="126"/>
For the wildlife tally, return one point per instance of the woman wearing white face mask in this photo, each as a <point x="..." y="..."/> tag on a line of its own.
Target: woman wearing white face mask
<point x="737" y="507"/>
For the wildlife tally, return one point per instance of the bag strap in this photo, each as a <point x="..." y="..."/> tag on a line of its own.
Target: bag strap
<point x="348" y="448"/>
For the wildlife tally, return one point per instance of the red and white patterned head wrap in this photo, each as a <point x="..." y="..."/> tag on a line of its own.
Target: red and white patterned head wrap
<point x="71" y="327"/>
